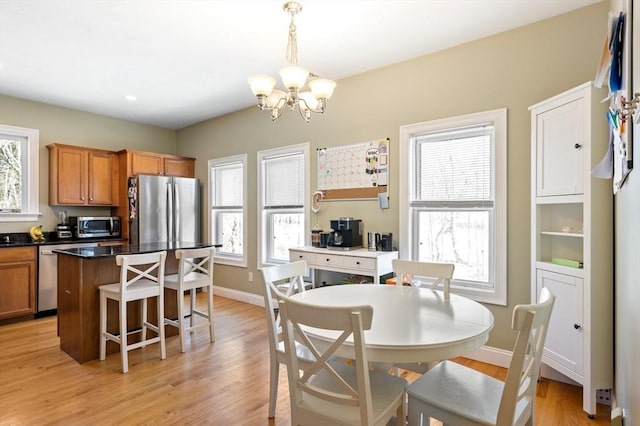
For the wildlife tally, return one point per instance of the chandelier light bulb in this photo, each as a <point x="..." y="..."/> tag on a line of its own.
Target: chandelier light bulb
<point x="322" y="88"/>
<point x="261" y="84"/>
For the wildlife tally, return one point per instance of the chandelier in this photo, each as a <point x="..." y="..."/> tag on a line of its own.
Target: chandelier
<point x="294" y="78"/>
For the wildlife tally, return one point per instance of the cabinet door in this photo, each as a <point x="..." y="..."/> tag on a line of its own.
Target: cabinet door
<point x="72" y="176"/>
<point x="146" y="164"/>
<point x="560" y="140"/>
<point x="18" y="283"/>
<point x="565" y="337"/>
<point x="178" y="167"/>
<point x="101" y="178"/>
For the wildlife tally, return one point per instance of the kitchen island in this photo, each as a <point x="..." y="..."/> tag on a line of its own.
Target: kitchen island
<point x="80" y="272"/>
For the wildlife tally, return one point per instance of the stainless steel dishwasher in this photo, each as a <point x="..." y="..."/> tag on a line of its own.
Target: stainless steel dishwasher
<point x="48" y="276"/>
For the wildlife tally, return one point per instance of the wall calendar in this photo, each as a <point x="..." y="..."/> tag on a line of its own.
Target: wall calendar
<point x="357" y="171"/>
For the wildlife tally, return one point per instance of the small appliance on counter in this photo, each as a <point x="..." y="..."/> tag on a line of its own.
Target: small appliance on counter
<point x="386" y="242"/>
<point x="63" y="229"/>
<point x="375" y="241"/>
<point x="346" y="235"/>
<point x="95" y="226"/>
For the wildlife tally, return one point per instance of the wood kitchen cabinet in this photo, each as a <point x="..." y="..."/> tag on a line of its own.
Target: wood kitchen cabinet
<point x="133" y="163"/>
<point x="152" y="163"/>
<point x="82" y="176"/>
<point x="18" y="283"/>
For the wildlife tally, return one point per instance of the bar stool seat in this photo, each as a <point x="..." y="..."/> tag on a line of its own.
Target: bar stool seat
<point x="142" y="285"/>
<point x="195" y="270"/>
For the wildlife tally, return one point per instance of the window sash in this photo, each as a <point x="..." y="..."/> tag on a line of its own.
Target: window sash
<point x="227" y="179"/>
<point x="491" y="199"/>
<point x="284" y="181"/>
<point x="28" y="210"/>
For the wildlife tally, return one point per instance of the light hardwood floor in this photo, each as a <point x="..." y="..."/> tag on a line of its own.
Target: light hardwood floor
<point x="224" y="383"/>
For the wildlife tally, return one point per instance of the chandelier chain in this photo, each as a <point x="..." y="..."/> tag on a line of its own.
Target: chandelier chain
<point x="292" y="44"/>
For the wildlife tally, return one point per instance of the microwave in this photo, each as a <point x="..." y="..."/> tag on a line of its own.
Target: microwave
<point x="95" y="226"/>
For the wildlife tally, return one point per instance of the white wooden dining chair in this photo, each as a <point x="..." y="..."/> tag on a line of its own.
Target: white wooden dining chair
<point x="418" y="274"/>
<point x="422" y="274"/>
<point x="336" y="392"/>
<point x="141" y="278"/>
<point x="286" y="279"/>
<point x="195" y="271"/>
<point x="458" y="395"/>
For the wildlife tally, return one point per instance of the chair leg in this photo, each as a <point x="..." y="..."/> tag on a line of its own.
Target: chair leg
<point x="124" y="350"/>
<point x="144" y="321"/>
<point x="181" y="319"/>
<point x="212" y="332"/>
<point x="161" y="330"/>
<point x="274" y="373"/>
<point x="192" y="307"/>
<point x="103" y="326"/>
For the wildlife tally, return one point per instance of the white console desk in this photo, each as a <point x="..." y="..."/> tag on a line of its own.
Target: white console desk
<point x="359" y="261"/>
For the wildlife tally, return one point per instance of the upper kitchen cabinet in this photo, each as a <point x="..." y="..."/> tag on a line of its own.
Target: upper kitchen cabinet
<point x="151" y="163"/>
<point x="82" y="176"/>
<point x="134" y="163"/>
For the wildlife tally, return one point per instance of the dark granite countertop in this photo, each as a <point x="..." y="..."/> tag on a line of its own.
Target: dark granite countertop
<point x="112" y="251"/>
<point x="19" y="240"/>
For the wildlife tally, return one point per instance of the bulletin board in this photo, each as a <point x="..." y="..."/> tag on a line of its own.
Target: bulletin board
<point x="356" y="171"/>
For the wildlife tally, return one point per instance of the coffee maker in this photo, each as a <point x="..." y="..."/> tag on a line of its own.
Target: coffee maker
<point x="346" y="235"/>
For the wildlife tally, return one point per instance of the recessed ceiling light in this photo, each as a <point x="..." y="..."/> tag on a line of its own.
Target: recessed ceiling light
<point x="130" y="98"/>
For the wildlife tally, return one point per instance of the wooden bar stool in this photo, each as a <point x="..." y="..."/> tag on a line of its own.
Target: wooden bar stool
<point x="141" y="286"/>
<point x="195" y="270"/>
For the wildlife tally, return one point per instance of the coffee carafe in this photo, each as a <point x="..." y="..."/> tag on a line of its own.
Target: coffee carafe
<point x="375" y="242"/>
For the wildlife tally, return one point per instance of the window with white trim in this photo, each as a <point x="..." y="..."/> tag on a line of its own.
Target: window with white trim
<point x="228" y="186"/>
<point x="283" y="185"/>
<point x="453" y="205"/>
<point x="19" y="165"/>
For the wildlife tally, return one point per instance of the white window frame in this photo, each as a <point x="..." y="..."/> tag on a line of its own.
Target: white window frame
<point x="498" y="256"/>
<point x="30" y="183"/>
<point x="220" y="257"/>
<point x="263" y="221"/>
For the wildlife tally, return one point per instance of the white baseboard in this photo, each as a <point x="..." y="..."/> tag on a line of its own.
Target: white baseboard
<point x="240" y="296"/>
<point x="486" y="354"/>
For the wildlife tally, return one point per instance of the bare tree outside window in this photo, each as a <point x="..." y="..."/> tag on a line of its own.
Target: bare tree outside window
<point x="10" y="173"/>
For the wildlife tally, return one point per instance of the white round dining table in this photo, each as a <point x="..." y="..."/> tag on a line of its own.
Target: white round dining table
<point x="410" y="324"/>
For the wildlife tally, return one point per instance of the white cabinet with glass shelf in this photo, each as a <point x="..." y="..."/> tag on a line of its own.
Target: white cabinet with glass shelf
<point x="571" y="220"/>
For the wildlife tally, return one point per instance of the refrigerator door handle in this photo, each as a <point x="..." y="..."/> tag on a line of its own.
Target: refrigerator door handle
<point x="176" y="212"/>
<point x="169" y="212"/>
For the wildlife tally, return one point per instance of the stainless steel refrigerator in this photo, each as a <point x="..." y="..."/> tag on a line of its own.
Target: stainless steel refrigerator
<point x="164" y="209"/>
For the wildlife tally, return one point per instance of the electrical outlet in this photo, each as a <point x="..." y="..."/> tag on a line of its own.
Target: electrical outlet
<point x="603" y="396"/>
<point x="250" y="276"/>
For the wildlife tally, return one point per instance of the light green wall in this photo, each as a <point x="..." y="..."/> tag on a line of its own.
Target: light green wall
<point x="514" y="69"/>
<point x="74" y="127"/>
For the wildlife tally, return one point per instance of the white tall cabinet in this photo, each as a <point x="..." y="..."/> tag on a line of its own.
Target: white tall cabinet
<point x="571" y="219"/>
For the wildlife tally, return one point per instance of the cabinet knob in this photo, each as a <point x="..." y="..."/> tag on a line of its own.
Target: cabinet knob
<point x="300" y="257"/>
<point x="577" y="146"/>
<point x="577" y="326"/>
<point x="81" y="198"/>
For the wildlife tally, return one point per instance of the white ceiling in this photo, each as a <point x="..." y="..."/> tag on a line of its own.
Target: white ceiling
<point x="188" y="60"/>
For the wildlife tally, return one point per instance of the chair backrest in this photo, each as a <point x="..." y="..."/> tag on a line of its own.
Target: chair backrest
<point x="336" y="390"/>
<point x="287" y="279"/>
<point x="410" y="270"/>
<point x="130" y="274"/>
<point x="531" y="323"/>
<point x="198" y="263"/>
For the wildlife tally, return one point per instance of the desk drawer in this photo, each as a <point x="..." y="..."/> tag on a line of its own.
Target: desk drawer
<point x="359" y="263"/>
<point x="328" y="260"/>
<point x="294" y="256"/>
